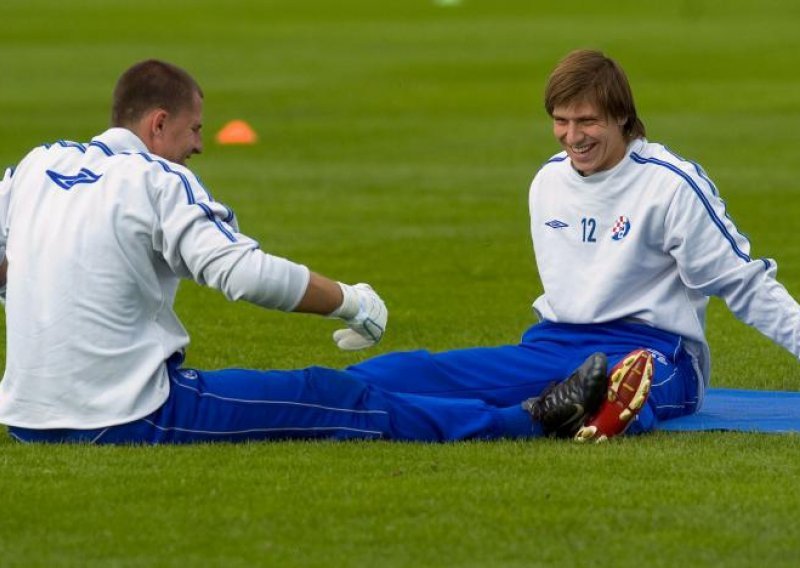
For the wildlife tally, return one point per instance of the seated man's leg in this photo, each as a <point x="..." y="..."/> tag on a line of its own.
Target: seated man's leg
<point x="548" y="353"/>
<point x="237" y="405"/>
<point x="673" y="392"/>
<point x="498" y="375"/>
<point x="470" y="393"/>
<point x="501" y="375"/>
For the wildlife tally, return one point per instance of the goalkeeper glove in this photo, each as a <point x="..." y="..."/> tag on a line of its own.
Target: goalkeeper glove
<point x="365" y="315"/>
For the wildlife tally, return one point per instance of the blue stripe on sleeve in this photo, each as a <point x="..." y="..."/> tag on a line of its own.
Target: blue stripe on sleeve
<point x="709" y="209"/>
<point x="213" y="218"/>
<point x="700" y="171"/>
<point x="187" y="186"/>
<point x="164" y="166"/>
<point x="702" y="174"/>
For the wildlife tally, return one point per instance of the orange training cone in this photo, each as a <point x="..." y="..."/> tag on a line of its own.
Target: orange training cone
<point x="237" y="132"/>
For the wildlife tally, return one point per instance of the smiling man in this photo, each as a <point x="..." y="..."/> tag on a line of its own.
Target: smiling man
<point x="594" y="142"/>
<point x="594" y="116"/>
<point x="630" y="242"/>
<point x="632" y="239"/>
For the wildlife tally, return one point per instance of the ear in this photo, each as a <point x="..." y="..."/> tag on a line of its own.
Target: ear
<point x="150" y="128"/>
<point x="156" y="122"/>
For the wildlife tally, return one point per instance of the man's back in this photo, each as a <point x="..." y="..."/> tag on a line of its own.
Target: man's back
<point x="89" y="298"/>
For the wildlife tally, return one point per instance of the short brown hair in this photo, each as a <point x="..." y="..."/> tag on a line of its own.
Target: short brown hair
<point x="151" y="84"/>
<point x="589" y="76"/>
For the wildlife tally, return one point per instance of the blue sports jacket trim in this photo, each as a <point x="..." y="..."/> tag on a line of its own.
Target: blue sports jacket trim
<point x="702" y="174"/>
<point x="97" y="144"/>
<point x="213" y="218"/>
<point x="554" y="160"/>
<point x="699" y="192"/>
<point x="68" y="144"/>
<point x="187" y="186"/>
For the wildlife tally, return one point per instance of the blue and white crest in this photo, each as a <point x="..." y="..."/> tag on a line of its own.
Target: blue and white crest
<point x="621" y="228"/>
<point x="556" y="224"/>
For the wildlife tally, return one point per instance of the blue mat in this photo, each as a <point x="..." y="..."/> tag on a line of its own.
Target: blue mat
<point x="744" y="411"/>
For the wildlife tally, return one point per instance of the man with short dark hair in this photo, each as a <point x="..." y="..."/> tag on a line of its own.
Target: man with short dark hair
<point x="159" y="85"/>
<point x="630" y="241"/>
<point x="151" y="84"/>
<point x="97" y="237"/>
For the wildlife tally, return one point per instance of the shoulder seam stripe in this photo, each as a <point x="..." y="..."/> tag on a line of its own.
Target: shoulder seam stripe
<point x="699" y="192"/>
<point x="97" y="144"/>
<point x="164" y="166"/>
<point x="553" y="160"/>
<point x="701" y="174"/>
<point x="67" y="144"/>
<point x="711" y="185"/>
<point x="187" y="187"/>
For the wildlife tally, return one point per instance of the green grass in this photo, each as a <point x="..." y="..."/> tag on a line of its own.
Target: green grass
<point x="398" y="141"/>
<point x="665" y="500"/>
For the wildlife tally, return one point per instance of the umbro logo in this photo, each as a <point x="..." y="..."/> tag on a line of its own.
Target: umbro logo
<point x="556" y="224"/>
<point x="67" y="182"/>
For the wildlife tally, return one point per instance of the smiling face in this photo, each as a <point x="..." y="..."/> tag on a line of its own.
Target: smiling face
<point x="593" y="140"/>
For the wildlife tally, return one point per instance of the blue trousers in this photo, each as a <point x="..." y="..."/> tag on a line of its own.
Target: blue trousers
<point x="414" y="396"/>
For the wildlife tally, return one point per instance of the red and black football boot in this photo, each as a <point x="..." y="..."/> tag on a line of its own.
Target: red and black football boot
<point x="628" y="386"/>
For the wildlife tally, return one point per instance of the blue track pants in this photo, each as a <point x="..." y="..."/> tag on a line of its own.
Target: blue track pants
<point x="416" y="395"/>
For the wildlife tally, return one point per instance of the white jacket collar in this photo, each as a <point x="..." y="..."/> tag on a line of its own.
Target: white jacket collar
<point x="120" y="140"/>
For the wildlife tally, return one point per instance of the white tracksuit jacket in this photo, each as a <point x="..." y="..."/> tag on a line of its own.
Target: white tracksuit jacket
<point x="97" y="236"/>
<point x="649" y="241"/>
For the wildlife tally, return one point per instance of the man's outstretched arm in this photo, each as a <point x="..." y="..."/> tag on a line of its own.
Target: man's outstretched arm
<point x="359" y="306"/>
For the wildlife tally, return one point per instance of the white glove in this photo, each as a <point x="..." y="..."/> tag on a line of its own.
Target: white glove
<point x="365" y="315"/>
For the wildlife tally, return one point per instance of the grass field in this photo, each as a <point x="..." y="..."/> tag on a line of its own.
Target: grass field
<point x="398" y="139"/>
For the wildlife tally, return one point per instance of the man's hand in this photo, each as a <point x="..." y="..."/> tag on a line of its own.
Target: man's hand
<point x="365" y="315"/>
